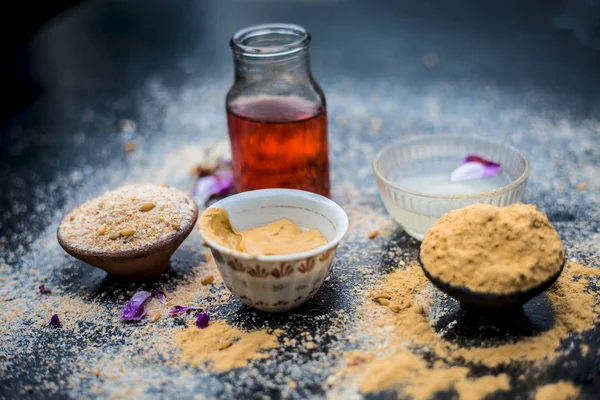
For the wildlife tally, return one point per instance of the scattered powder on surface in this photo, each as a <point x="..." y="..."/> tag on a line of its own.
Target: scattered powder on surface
<point x="112" y="359"/>
<point x="403" y="328"/>
<point x="365" y="213"/>
<point x="223" y="346"/>
<point x="410" y="372"/>
<point x="557" y="391"/>
<point x="126" y="218"/>
<point x="575" y="310"/>
<point x="585" y="272"/>
<point x="493" y="249"/>
<point x="70" y="310"/>
<point x="479" y="388"/>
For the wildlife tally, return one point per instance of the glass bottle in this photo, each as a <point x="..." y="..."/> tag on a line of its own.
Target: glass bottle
<point x="276" y="112"/>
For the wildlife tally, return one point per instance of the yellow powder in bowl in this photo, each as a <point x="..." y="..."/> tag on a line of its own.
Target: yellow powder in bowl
<point x="493" y="249"/>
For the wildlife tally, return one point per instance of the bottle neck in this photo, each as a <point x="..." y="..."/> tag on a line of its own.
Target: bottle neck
<point x="290" y="68"/>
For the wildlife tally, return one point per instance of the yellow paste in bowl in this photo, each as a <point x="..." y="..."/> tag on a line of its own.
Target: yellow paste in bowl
<point x="277" y="238"/>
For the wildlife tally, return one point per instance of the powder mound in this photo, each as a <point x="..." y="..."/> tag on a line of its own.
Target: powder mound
<point x="493" y="249"/>
<point x="222" y="346"/>
<point x="127" y="218"/>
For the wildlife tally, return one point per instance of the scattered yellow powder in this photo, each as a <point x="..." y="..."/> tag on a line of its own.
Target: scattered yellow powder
<point x="395" y="363"/>
<point x="154" y="316"/>
<point x="373" y="234"/>
<point x="557" y="391"/>
<point x="585" y="349"/>
<point x="199" y="346"/>
<point x="475" y="389"/>
<point x="191" y="291"/>
<point x="586" y="273"/>
<point x="128" y="146"/>
<point x="410" y="373"/>
<point x="493" y="249"/>
<point x="207" y="280"/>
<point x="574" y="311"/>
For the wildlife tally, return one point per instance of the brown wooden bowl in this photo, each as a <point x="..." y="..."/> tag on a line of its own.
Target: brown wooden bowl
<point x="134" y="264"/>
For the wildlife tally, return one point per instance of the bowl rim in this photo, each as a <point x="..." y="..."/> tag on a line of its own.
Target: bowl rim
<point x="255" y="195"/>
<point x="145" y="250"/>
<point x="498" y="191"/>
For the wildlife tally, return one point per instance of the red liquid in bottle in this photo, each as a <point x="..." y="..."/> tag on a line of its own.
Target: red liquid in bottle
<point x="279" y="142"/>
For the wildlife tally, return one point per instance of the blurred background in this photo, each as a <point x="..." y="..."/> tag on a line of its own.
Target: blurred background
<point x="108" y="48"/>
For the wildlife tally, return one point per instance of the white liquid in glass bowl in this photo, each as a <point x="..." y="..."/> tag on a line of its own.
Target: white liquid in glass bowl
<point x="413" y="178"/>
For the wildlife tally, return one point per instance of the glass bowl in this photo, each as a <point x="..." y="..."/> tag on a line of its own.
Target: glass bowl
<point x="413" y="178"/>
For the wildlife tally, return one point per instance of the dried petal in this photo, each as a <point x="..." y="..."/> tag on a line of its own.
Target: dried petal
<point x="54" y="321"/>
<point x="202" y="320"/>
<point x="474" y="167"/>
<point x="160" y="295"/>
<point x="44" y="289"/>
<point x="177" y="310"/>
<point x="217" y="184"/>
<point x="134" y="309"/>
<point x="215" y="158"/>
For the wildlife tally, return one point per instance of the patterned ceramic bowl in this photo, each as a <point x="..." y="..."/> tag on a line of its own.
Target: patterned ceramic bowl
<point x="278" y="283"/>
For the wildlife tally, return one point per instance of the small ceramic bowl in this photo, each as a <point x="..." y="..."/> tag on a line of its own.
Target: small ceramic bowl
<point x="277" y="283"/>
<point x="429" y="157"/>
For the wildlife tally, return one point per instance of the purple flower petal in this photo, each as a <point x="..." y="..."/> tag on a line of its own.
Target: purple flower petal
<point x="202" y="320"/>
<point x="480" y="160"/>
<point x="160" y="295"/>
<point x="44" y="289"/>
<point x="474" y="167"/>
<point x="177" y="310"/>
<point x="218" y="183"/>
<point x="54" y="321"/>
<point x="134" y="309"/>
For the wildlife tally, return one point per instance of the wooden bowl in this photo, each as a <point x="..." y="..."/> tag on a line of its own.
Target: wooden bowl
<point x="469" y="298"/>
<point x="139" y="263"/>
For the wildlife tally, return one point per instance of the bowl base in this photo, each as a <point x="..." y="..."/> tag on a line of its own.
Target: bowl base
<point x="415" y="235"/>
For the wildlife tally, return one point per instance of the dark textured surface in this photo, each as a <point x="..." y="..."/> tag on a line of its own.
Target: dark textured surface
<point x="504" y="71"/>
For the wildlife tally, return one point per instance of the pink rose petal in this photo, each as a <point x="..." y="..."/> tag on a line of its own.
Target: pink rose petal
<point x="160" y="295"/>
<point x="474" y="167"/>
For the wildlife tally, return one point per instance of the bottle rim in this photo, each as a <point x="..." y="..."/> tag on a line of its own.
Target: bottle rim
<point x="278" y="39"/>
